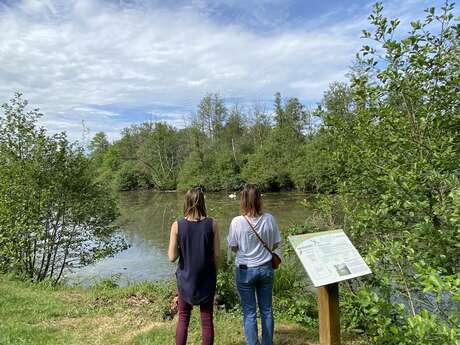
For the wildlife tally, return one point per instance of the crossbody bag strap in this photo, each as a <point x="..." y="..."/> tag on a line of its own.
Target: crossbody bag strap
<point x="260" y="239"/>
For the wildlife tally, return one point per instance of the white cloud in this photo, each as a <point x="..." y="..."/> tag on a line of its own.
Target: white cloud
<point x="98" y="112"/>
<point x="73" y="58"/>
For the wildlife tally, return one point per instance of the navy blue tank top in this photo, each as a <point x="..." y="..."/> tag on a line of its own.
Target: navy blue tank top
<point x="196" y="272"/>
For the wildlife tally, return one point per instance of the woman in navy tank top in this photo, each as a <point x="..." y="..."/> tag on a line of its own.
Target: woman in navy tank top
<point x="195" y="241"/>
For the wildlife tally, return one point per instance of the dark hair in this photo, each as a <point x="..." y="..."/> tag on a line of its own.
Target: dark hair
<point x="194" y="205"/>
<point x="251" y="201"/>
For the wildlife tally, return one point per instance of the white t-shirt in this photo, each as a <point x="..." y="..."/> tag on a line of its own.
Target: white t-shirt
<point x="251" y="251"/>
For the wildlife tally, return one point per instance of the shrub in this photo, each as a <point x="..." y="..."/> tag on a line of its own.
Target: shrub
<point x="53" y="215"/>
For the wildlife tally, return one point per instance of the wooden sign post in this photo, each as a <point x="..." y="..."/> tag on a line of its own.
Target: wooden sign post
<point x="329" y="257"/>
<point x="329" y="316"/>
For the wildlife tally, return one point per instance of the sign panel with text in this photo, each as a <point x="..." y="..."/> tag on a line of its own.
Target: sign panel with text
<point x="329" y="257"/>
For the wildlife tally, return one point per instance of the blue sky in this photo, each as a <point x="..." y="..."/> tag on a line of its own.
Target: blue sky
<point x="111" y="63"/>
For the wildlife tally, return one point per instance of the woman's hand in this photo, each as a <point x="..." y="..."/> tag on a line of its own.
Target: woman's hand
<point x="173" y="251"/>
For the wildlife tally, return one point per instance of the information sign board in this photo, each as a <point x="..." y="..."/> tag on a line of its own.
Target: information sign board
<point x="329" y="257"/>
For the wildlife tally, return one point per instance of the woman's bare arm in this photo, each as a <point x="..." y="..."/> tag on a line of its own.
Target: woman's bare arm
<point x="215" y="228"/>
<point x="173" y="252"/>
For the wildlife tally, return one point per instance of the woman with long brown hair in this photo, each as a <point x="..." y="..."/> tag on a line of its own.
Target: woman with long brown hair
<point x="194" y="239"/>
<point x="253" y="236"/>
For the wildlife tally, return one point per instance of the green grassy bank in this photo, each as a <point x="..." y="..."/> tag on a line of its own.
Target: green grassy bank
<point x="137" y="314"/>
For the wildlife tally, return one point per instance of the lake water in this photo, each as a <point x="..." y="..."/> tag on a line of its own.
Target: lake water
<point x="146" y="218"/>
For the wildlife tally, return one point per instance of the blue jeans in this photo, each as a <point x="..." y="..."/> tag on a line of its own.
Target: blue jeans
<point x="251" y="282"/>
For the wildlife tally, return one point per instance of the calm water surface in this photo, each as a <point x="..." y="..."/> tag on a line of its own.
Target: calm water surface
<point x="146" y="219"/>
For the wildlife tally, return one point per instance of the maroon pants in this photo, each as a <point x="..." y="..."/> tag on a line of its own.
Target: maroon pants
<point x="207" y="326"/>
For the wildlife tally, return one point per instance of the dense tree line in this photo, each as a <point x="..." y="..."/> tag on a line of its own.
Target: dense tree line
<point x="222" y="148"/>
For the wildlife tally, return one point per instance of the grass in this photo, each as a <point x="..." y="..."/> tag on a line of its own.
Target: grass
<point x="138" y="314"/>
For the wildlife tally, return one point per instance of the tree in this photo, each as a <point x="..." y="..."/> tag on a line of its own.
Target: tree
<point x="313" y="170"/>
<point x="53" y="216"/>
<point x="398" y="148"/>
<point x="211" y="115"/>
<point x="99" y="143"/>
<point x="233" y="133"/>
<point x="271" y="165"/>
<point x="160" y="155"/>
<point x="337" y="105"/>
<point x="259" y="129"/>
<point x="293" y="115"/>
<point x="296" y="116"/>
<point x="280" y="117"/>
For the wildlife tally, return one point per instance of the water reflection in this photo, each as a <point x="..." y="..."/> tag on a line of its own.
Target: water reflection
<point x="146" y="218"/>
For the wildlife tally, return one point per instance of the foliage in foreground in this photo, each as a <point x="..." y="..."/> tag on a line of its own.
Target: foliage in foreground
<point x="396" y="158"/>
<point x="52" y="213"/>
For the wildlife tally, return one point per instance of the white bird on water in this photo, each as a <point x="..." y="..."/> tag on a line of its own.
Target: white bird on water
<point x="232" y="196"/>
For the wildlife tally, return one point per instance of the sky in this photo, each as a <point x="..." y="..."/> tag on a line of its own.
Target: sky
<point x="112" y="63"/>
